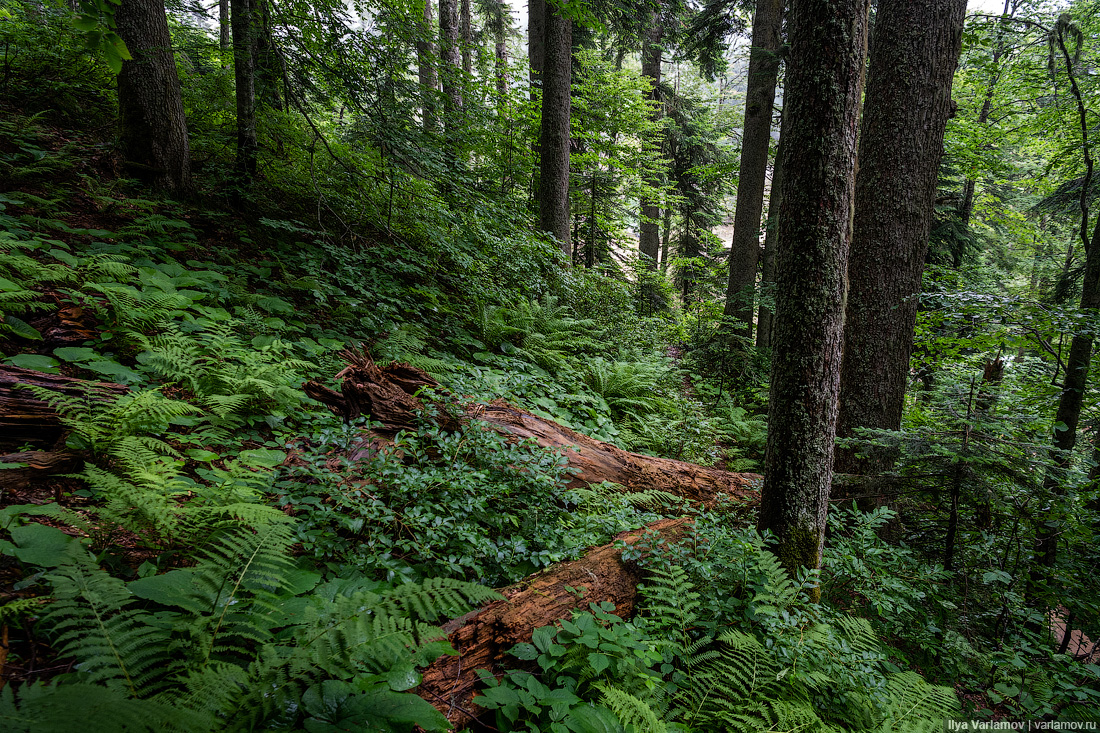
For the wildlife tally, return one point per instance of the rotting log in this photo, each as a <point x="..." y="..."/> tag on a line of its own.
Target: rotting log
<point x="26" y="420"/>
<point x="22" y="470"/>
<point x="387" y="394"/>
<point x="483" y="637"/>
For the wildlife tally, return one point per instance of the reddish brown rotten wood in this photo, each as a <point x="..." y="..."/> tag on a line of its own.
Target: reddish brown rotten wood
<point x="484" y="637"/>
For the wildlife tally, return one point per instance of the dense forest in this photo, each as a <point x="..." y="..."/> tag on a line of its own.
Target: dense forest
<point x="587" y="366"/>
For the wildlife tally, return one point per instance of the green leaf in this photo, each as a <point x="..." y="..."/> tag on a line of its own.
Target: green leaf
<point x="40" y="544"/>
<point x="169" y="589"/>
<point x="524" y="651"/>
<point x="263" y="457"/>
<point x="76" y="353"/>
<point x="116" y="371"/>
<point x="589" y="718"/>
<point x="599" y="662"/>
<point x="200" y="454"/>
<point x="22" y="329"/>
<point x="34" y="361"/>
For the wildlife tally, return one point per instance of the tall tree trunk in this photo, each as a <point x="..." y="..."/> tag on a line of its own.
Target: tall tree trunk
<point x="244" y="72"/>
<point x="269" y="64"/>
<point x="152" y="126"/>
<point x="828" y="41"/>
<point x="500" y="40"/>
<point x="649" y="237"/>
<point x="914" y="52"/>
<point x="426" y="68"/>
<point x="449" y="53"/>
<point x="765" y="319"/>
<point x="467" y="28"/>
<point x="755" y="141"/>
<point x="666" y="235"/>
<point x="536" y="55"/>
<point x="554" y="136"/>
<point x="224" y="33"/>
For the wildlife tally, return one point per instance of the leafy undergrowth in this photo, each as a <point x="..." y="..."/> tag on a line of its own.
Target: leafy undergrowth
<point x="232" y="556"/>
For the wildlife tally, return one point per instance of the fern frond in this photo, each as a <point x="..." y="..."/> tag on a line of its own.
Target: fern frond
<point x="93" y="622"/>
<point x="914" y="703"/>
<point x="631" y="710"/>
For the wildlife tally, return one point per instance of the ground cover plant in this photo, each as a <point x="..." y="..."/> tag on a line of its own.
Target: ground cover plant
<point x="190" y="541"/>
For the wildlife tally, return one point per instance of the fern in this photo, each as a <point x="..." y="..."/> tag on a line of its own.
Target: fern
<point x="916" y="705"/>
<point x="93" y="622"/>
<point x="635" y="714"/>
<point x="215" y="660"/>
<point x="406" y="343"/>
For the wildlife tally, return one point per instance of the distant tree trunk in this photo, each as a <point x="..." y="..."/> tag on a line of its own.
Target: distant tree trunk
<point x="649" y="237"/>
<point x="554" y="136"/>
<point x="152" y="126"/>
<point x="914" y="51"/>
<point x="828" y="42"/>
<point x="765" y="318"/>
<point x="536" y="54"/>
<point x="500" y="39"/>
<point x="467" y="28"/>
<point x="755" y="141"/>
<point x="426" y="68"/>
<point x="244" y="73"/>
<point x="224" y="33"/>
<point x="269" y="71"/>
<point x="449" y="51"/>
<point x="536" y="42"/>
<point x="666" y="235"/>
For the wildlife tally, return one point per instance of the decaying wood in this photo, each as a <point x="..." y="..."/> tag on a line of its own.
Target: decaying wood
<point x="484" y="637"/>
<point x="26" y="420"/>
<point x="387" y="395"/>
<point x="21" y="470"/>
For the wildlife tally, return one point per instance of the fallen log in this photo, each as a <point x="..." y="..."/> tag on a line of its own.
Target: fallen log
<point x="26" y="420"/>
<point x="29" y="468"/>
<point x="387" y="395"/>
<point x="483" y="637"/>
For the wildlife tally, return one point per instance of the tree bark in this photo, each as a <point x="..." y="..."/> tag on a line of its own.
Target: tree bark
<point x="26" y="420"/>
<point x="425" y="59"/>
<point x="467" y="31"/>
<point x="386" y="395"/>
<point x="244" y="73"/>
<point x="828" y="42"/>
<point x="649" y="236"/>
<point x="914" y="52"/>
<point x="224" y="33"/>
<point x="536" y="43"/>
<point x="449" y="52"/>
<point x="755" y="142"/>
<point x="554" y="133"/>
<point x="765" y="318"/>
<point x="483" y="637"/>
<point x="152" y="126"/>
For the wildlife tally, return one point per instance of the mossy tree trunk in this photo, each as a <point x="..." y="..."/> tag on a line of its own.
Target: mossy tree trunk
<point x="765" y="317"/>
<point x="914" y="51"/>
<point x="828" y="42"/>
<point x="244" y="73"/>
<point x="426" y="68"/>
<point x="755" y="142"/>
<point x="557" y="72"/>
<point x="450" y="55"/>
<point x="152" y="126"/>
<point x="649" y="235"/>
